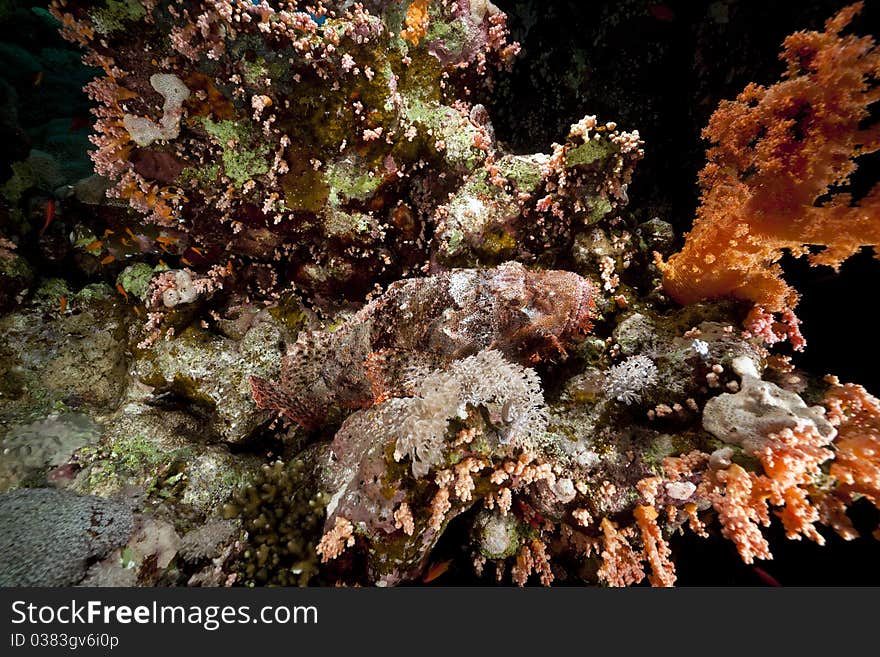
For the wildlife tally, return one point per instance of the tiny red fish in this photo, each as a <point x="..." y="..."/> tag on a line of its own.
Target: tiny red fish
<point x="435" y="570"/>
<point x="77" y="123"/>
<point x="766" y="577"/>
<point x="662" y="12"/>
<point x="50" y="215"/>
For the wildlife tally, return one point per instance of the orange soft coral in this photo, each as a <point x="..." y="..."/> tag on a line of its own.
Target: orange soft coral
<point x="791" y="460"/>
<point x="856" y="467"/>
<point x="416" y="21"/>
<point x="621" y="566"/>
<point x="779" y="158"/>
<point x="656" y="550"/>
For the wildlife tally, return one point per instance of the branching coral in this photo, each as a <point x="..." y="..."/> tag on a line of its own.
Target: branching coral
<point x="397" y="511"/>
<point x="621" y="566"/>
<point x="281" y="513"/>
<point x="793" y="462"/>
<point x="776" y="172"/>
<point x="856" y="466"/>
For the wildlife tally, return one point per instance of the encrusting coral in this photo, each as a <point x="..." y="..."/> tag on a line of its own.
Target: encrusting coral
<point x="776" y="177"/>
<point x="327" y="140"/>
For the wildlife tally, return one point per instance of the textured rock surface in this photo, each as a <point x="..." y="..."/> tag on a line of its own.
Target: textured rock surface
<point x="213" y="372"/>
<point x="748" y="417"/>
<point x="29" y="450"/>
<point x="48" y="537"/>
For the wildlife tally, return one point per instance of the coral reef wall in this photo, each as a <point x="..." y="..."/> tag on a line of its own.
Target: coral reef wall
<point x="313" y="319"/>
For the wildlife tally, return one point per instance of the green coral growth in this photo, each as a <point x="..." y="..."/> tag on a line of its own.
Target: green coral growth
<point x="242" y="160"/>
<point x="284" y="517"/>
<point x="115" y="14"/>
<point x="136" y="278"/>
<point x="588" y="153"/>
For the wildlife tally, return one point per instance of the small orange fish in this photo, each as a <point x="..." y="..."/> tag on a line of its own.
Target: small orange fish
<point x="50" y="215"/>
<point x="162" y="263"/>
<point x="108" y="259"/>
<point x="166" y="239"/>
<point x="125" y="94"/>
<point x="186" y="262"/>
<point x="38" y="78"/>
<point x="229" y="267"/>
<point x="121" y="290"/>
<point x="435" y="570"/>
<point x="138" y="311"/>
<point x="107" y="232"/>
<point x="94" y="246"/>
<point x="197" y="251"/>
<point x="130" y="234"/>
<point x="63" y="303"/>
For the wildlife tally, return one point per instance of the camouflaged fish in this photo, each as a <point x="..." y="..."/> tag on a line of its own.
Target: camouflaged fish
<point x="428" y="323"/>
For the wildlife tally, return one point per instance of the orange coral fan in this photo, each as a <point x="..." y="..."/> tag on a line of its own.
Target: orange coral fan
<point x="856" y="467"/>
<point x="620" y="565"/>
<point x="791" y="461"/>
<point x="779" y="157"/>
<point x="416" y="21"/>
<point x="656" y="548"/>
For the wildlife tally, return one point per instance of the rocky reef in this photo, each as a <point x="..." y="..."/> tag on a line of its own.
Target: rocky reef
<point x="309" y="321"/>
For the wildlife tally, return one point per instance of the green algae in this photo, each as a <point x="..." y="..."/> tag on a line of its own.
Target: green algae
<point x="244" y="157"/>
<point x="590" y="152"/>
<point x="135" y="279"/>
<point x="523" y="171"/>
<point x="348" y="179"/>
<point x="114" y="15"/>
